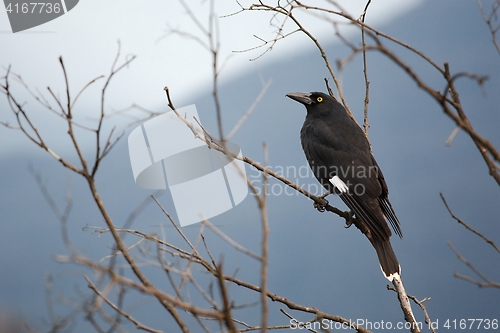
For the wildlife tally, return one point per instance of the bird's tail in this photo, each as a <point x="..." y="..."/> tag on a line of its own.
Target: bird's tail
<point x="387" y="258"/>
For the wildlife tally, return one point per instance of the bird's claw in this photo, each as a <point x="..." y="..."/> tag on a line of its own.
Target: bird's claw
<point x="349" y="220"/>
<point x="321" y="207"/>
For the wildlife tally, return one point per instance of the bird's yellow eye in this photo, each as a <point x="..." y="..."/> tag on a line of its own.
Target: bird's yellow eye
<point x="319" y="99"/>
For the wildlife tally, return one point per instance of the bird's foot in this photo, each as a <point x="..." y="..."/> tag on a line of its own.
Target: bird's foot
<point x="321" y="207"/>
<point x="349" y="220"/>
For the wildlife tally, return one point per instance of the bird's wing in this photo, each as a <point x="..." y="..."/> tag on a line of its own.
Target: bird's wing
<point x="385" y="204"/>
<point x="327" y="158"/>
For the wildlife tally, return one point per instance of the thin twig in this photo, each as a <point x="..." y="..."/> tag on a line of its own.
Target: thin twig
<point x="226" y="307"/>
<point x="274" y="297"/>
<point x="487" y="283"/>
<point x="474" y="231"/>
<point x="489" y="22"/>
<point x="232" y="242"/>
<point x="297" y="321"/>
<point x="421" y="305"/>
<point x="127" y="315"/>
<point x="250" y="110"/>
<point x="262" y="201"/>
<point x="174" y="224"/>
<point x="366" y="126"/>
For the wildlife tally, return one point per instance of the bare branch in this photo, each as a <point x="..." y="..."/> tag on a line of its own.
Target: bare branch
<point x="474" y="231"/>
<point x="127" y="315"/>
<point x="262" y="201"/>
<point x="175" y="225"/>
<point x="293" y="318"/>
<point x="397" y="282"/>
<point x="487" y="282"/>
<point x="421" y="305"/>
<point x="274" y="297"/>
<point x="489" y="21"/>
<point x="232" y="242"/>
<point x="365" y="72"/>
<point x="114" y="70"/>
<point x="250" y="110"/>
<point x="163" y="297"/>
<point x="226" y="309"/>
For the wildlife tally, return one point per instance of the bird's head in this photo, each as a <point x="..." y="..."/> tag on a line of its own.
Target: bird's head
<point x="316" y="103"/>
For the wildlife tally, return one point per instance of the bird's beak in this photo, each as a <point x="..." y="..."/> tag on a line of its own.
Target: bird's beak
<point x="304" y="98"/>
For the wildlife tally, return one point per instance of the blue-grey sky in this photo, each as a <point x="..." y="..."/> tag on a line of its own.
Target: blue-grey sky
<point x="313" y="259"/>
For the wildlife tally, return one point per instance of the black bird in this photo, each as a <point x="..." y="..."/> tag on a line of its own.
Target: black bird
<point x="339" y="155"/>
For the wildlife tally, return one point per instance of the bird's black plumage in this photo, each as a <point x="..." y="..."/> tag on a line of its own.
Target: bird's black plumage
<point x="335" y="145"/>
